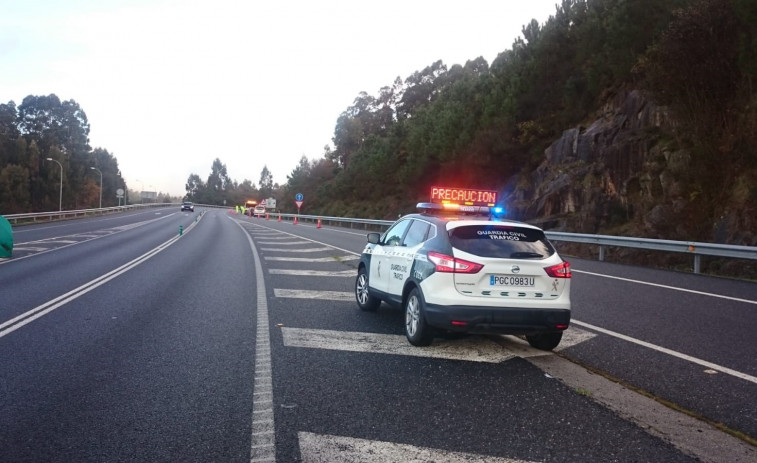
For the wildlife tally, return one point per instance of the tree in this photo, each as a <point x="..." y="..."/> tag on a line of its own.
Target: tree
<point x="266" y="183"/>
<point x="218" y="183"/>
<point x="195" y="188"/>
<point x="14" y="189"/>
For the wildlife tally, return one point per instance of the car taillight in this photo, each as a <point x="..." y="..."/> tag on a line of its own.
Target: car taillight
<point x="445" y="263"/>
<point x="561" y="270"/>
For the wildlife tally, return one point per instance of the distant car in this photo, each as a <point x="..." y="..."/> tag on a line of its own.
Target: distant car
<point x="187" y="206"/>
<point x="462" y="270"/>
<point x="259" y="210"/>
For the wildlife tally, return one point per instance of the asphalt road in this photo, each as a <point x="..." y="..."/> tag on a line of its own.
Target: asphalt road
<point x="240" y="341"/>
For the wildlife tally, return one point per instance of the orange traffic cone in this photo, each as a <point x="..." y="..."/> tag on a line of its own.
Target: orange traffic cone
<point x="279" y="216"/>
<point x="295" y="220"/>
<point x="266" y="216"/>
<point x="319" y="223"/>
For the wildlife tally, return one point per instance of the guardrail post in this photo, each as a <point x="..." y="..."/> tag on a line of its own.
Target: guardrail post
<point x="697" y="262"/>
<point x="601" y="253"/>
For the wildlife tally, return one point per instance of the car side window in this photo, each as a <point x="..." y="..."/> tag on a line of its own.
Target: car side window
<point x="393" y="236"/>
<point x="417" y="233"/>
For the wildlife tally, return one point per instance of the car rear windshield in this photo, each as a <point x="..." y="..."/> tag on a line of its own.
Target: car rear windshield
<point x="501" y="241"/>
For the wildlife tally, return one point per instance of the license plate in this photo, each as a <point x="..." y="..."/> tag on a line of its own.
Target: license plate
<point x="509" y="280"/>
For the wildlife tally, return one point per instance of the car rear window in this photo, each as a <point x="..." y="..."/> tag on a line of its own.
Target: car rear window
<point x="502" y="241"/>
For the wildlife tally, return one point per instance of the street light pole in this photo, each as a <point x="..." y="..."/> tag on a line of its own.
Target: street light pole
<point x="60" y="197"/>
<point x="101" y="185"/>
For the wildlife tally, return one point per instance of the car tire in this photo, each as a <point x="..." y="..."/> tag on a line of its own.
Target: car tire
<point x="418" y="332"/>
<point x="544" y="341"/>
<point x="365" y="300"/>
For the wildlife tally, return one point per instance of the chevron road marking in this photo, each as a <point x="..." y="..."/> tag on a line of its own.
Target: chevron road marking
<point x="312" y="273"/>
<point x="321" y="295"/>
<point x="472" y="349"/>
<point x="312" y="259"/>
<point x="321" y="448"/>
<point x="297" y="250"/>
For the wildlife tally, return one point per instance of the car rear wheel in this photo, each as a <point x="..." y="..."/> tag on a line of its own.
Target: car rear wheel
<point x="364" y="299"/>
<point x="418" y="332"/>
<point x="544" y="341"/>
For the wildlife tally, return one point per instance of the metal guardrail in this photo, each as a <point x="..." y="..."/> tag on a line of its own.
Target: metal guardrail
<point x="64" y="215"/>
<point x="693" y="248"/>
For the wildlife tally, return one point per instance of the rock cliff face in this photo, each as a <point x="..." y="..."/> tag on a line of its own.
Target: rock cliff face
<point x="615" y="173"/>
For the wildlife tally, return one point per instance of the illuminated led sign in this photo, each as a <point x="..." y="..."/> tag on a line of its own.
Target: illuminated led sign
<point x="463" y="196"/>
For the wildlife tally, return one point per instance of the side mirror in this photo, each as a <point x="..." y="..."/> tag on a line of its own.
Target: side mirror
<point x="374" y="238"/>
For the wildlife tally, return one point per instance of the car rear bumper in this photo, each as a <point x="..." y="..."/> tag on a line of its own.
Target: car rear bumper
<point x="501" y="320"/>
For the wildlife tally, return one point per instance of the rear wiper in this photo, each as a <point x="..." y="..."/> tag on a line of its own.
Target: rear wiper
<point x="526" y="255"/>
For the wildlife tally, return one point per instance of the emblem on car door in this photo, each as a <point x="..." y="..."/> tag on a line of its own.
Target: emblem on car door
<point x="516" y="269"/>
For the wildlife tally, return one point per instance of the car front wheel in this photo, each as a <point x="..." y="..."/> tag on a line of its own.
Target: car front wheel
<point x="364" y="299"/>
<point x="418" y="332"/>
<point x="544" y="341"/>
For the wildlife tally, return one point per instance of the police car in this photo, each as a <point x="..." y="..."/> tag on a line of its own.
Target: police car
<point x="456" y="267"/>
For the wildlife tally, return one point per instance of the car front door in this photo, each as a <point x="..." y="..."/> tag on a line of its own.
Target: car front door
<point x="401" y="260"/>
<point x="382" y="253"/>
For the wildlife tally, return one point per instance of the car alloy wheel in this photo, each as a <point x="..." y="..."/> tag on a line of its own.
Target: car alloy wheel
<point x="417" y="331"/>
<point x="364" y="299"/>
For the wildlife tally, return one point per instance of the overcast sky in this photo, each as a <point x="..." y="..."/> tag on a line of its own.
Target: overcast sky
<point x="170" y="85"/>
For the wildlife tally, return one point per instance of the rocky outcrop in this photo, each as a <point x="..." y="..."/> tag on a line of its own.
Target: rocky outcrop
<point x="616" y="171"/>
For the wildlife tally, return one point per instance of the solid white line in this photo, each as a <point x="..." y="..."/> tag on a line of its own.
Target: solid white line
<point x="664" y="350"/>
<point x="321" y="448"/>
<point x="701" y="293"/>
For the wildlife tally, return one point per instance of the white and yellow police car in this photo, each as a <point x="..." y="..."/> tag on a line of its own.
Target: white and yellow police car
<point x="456" y="267"/>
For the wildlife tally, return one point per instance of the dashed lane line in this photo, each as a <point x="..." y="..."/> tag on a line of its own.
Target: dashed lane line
<point x="263" y="436"/>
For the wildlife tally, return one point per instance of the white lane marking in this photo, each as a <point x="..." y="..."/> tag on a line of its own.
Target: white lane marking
<point x="637" y="341"/>
<point x="674" y="288"/>
<point x="322" y="448"/>
<point x="296" y="250"/>
<point x="114" y="230"/>
<point x="284" y="243"/>
<point x="29" y="316"/>
<point x="29" y="248"/>
<point x="312" y="241"/>
<point x="311" y="259"/>
<point x="664" y="350"/>
<point x="320" y="295"/>
<point x="472" y="349"/>
<point x="263" y="437"/>
<point x="312" y="273"/>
